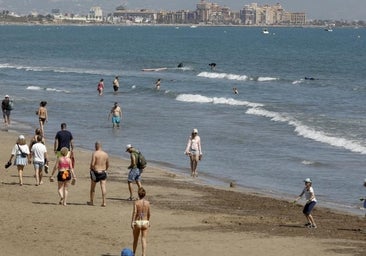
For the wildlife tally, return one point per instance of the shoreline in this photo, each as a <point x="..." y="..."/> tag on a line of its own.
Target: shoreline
<point x="207" y="180"/>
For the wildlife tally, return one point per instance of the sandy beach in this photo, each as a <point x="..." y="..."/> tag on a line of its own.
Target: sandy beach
<point x="188" y="217"/>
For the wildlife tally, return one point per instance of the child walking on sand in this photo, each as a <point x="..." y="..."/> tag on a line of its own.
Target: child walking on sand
<point x="310" y="203"/>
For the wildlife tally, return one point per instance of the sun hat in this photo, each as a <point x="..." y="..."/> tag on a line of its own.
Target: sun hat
<point x="128" y="146"/>
<point x="195" y="130"/>
<point x="21" y="137"/>
<point x="127" y="252"/>
<point x="308" y="180"/>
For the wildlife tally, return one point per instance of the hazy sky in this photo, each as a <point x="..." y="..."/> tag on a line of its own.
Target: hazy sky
<point x="315" y="9"/>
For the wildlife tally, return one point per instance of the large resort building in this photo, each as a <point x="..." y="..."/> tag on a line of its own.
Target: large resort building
<point x="212" y="13"/>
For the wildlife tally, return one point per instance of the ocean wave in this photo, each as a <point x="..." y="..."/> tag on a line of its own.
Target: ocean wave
<point x="34" y="88"/>
<point x="309" y="132"/>
<point x="298" y="81"/>
<point x="266" y="79"/>
<point x="223" y="76"/>
<point x="214" y="75"/>
<point x="37" y="88"/>
<point x="57" y="69"/>
<point x="215" y="100"/>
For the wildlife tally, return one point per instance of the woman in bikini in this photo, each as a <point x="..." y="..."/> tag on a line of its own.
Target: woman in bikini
<point x="42" y="115"/>
<point x="65" y="174"/>
<point x="140" y="220"/>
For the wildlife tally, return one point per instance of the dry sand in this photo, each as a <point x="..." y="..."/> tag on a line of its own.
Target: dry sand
<point x="188" y="218"/>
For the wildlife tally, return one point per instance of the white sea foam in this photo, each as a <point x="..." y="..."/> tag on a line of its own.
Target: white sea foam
<point x="56" y="90"/>
<point x="309" y="132"/>
<point x="214" y="100"/>
<point x="266" y="79"/>
<point x="223" y="76"/>
<point x="298" y="81"/>
<point x="57" y="69"/>
<point x="37" y="88"/>
<point x="34" y="88"/>
<point x="306" y="162"/>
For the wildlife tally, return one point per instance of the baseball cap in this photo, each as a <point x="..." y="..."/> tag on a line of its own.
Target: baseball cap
<point x="6" y="96"/>
<point x="21" y="137"/>
<point x="308" y="180"/>
<point x="195" y="130"/>
<point x="128" y="146"/>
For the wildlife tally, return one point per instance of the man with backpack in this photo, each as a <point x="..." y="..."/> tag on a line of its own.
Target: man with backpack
<point x="138" y="163"/>
<point x="6" y="107"/>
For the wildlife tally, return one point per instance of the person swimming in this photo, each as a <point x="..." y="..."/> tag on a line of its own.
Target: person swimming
<point x="310" y="78"/>
<point x="212" y="65"/>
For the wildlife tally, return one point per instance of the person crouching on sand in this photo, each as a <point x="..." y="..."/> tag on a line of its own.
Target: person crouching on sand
<point x="310" y="202"/>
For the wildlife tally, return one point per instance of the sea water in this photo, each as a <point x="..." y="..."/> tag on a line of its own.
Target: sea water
<point x="280" y="129"/>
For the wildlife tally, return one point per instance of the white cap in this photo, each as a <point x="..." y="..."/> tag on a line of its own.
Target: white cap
<point x="308" y="180"/>
<point x="7" y="96"/>
<point x="195" y="130"/>
<point x="128" y="146"/>
<point x="21" y="137"/>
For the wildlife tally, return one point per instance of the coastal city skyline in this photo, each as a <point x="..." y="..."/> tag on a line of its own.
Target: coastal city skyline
<point x="326" y="9"/>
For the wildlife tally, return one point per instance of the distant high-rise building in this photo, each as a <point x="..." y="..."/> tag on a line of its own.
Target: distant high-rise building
<point x="95" y="14"/>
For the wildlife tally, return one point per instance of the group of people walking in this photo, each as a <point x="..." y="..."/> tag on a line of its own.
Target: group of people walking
<point x="63" y="171"/>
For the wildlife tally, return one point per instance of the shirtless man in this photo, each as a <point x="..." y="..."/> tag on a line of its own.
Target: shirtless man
<point x="116" y="113"/>
<point x="98" y="172"/>
<point x="115" y="84"/>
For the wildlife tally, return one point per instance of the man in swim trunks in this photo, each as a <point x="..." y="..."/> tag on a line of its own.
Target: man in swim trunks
<point x="116" y="113"/>
<point x="115" y="84"/>
<point x="98" y="172"/>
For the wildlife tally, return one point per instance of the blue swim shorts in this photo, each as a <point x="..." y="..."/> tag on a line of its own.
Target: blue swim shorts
<point x="134" y="175"/>
<point x="116" y="119"/>
<point x="308" y="207"/>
